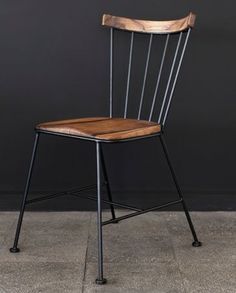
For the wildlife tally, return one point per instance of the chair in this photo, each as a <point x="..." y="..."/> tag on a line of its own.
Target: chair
<point x="115" y="129"/>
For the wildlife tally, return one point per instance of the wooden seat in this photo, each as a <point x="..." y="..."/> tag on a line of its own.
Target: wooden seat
<point x="103" y="128"/>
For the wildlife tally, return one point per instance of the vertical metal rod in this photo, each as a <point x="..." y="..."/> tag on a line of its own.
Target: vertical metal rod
<point x="22" y="210"/>
<point x="100" y="280"/>
<point x="107" y="183"/>
<point x="111" y="72"/>
<point x="164" y="147"/>
<point x="176" y="76"/>
<point x="159" y="77"/>
<point x="129" y="70"/>
<point x="145" y="76"/>
<point x="170" y="76"/>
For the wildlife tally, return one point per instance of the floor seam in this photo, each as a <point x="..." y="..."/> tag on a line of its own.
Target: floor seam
<point x="86" y="254"/>
<point x="175" y="257"/>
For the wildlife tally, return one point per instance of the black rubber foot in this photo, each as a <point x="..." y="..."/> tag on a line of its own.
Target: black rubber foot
<point x="196" y="244"/>
<point x="14" y="250"/>
<point x="101" y="282"/>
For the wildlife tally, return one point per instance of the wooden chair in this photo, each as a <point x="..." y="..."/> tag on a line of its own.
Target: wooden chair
<point x="114" y="129"/>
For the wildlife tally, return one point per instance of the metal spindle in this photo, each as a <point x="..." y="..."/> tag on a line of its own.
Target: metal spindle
<point x="159" y="77"/>
<point x="170" y="76"/>
<point x="176" y="76"/>
<point x="129" y="70"/>
<point x="145" y="76"/>
<point x="111" y="72"/>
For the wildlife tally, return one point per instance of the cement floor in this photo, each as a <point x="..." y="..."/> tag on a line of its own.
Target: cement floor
<point x="150" y="253"/>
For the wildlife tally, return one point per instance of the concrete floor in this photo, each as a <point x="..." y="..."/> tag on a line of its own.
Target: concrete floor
<point x="150" y="253"/>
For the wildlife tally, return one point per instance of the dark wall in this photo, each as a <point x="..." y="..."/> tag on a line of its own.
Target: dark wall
<point x="54" y="65"/>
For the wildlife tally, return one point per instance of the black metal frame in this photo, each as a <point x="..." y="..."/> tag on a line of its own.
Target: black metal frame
<point x="100" y="161"/>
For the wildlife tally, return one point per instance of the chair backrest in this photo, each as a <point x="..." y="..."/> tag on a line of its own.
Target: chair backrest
<point x="176" y="34"/>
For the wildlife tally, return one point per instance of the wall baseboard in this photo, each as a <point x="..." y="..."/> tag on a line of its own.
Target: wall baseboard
<point x="196" y="201"/>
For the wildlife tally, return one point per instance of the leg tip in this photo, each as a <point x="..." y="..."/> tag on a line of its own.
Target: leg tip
<point x="14" y="249"/>
<point x="101" y="281"/>
<point x="196" y="244"/>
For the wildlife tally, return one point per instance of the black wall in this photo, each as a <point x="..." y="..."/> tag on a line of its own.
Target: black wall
<point x="54" y="65"/>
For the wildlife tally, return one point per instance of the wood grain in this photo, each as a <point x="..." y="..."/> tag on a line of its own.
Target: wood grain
<point x="149" y="26"/>
<point x="103" y="128"/>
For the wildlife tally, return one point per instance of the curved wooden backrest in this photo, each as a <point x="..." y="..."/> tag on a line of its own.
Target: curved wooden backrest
<point x="149" y="26"/>
<point x="173" y="35"/>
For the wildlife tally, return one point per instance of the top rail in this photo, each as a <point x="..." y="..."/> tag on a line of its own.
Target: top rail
<point x="149" y="26"/>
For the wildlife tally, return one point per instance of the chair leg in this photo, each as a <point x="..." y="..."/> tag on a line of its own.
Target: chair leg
<point x="107" y="184"/>
<point x="15" y="249"/>
<point x="100" y="280"/>
<point x="196" y="242"/>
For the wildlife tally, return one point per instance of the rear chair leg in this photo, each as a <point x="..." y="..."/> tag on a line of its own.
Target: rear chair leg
<point x="100" y="280"/>
<point x="196" y="242"/>
<point x="15" y="249"/>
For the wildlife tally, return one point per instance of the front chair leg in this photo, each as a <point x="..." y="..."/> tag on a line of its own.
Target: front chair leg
<point x="100" y="280"/>
<point x="107" y="185"/>
<point x="15" y="249"/>
<point x="196" y="242"/>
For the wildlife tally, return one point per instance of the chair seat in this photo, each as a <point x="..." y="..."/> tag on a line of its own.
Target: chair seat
<point x="102" y="128"/>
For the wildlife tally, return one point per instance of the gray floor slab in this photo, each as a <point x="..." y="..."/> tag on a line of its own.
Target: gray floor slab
<point x="215" y="224"/>
<point x="200" y="277"/>
<point x="212" y="251"/>
<point x="151" y="253"/>
<point x="49" y="237"/>
<point x="45" y="277"/>
<point x="7" y="219"/>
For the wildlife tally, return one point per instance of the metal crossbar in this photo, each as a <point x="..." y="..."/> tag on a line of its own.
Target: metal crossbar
<point x="141" y="212"/>
<point x="76" y="193"/>
<point x="62" y="193"/>
<point x="45" y="197"/>
<point x="138" y="211"/>
<point x="107" y="202"/>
